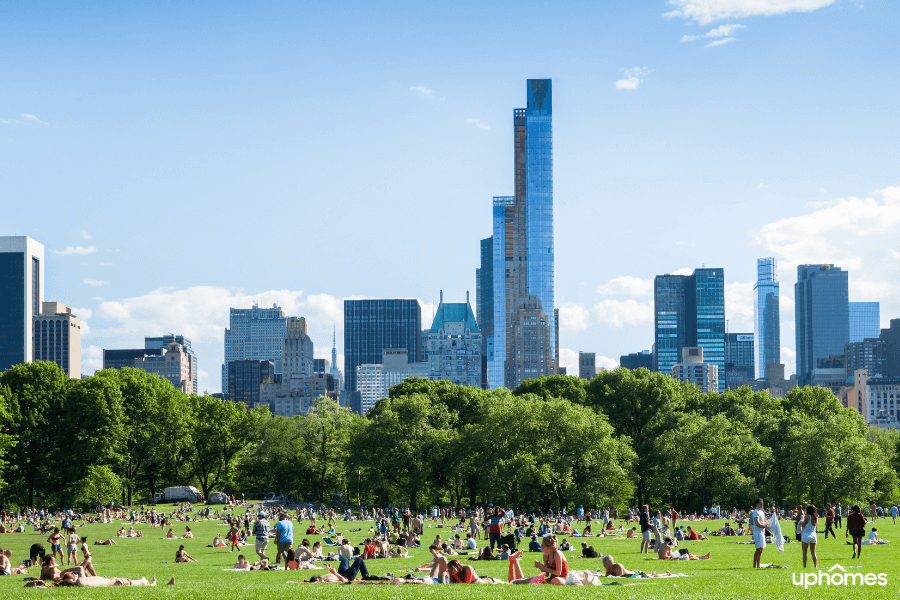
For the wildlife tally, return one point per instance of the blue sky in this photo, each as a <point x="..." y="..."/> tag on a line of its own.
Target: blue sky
<point x="183" y="159"/>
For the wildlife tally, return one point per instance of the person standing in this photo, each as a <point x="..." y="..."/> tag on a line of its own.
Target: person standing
<point x="758" y="526"/>
<point x="495" y="527"/>
<point x="856" y="528"/>
<point x="809" y="540"/>
<point x="284" y="531"/>
<point x="261" y="532"/>
<point x="837" y="514"/>
<point x="894" y="511"/>
<point x="645" y="529"/>
<point x="829" y="521"/>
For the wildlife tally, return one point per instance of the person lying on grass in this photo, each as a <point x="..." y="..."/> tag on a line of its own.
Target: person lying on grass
<point x="614" y="569"/>
<point x="50" y="572"/>
<point x="109" y="542"/>
<point x="347" y="572"/>
<point x="183" y="557"/>
<point x="74" y="580"/>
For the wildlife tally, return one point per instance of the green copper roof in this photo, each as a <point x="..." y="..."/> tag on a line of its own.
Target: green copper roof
<point x="454" y="312"/>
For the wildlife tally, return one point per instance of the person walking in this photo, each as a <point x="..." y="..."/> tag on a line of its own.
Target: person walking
<point x="261" y="532"/>
<point x="856" y="527"/>
<point x="809" y="540"/>
<point x="829" y="521"/>
<point x="758" y="528"/>
<point x="284" y="530"/>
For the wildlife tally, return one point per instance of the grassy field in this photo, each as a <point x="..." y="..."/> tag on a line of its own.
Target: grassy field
<point x="726" y="575"/>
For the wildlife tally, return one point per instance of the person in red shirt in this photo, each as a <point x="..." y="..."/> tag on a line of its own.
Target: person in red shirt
<point x="829" y="522"/>
<point x="674" y="516"/>
<point x="693" y="535"/>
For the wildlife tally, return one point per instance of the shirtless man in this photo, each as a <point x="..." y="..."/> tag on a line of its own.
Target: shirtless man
<point x="49" y="571"/>
<point x="71" y="579"/>
<point x="614" y="569"/>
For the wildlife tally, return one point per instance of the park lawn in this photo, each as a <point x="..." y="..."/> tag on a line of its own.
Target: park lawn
<point x="727" y="575"/>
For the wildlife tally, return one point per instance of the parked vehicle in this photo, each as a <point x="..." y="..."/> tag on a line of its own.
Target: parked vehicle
<point x="179" y="493"/>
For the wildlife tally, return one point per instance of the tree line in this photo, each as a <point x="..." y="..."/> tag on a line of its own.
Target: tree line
<point x="622" y="438"/>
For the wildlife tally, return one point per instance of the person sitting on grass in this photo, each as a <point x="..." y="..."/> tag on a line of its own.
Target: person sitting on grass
<point x="218" y="542"/>
<point x="553" y="568"/>
<point x="694" y="536"/>
<point x="121" y="532"/>
<point x="588" y="551"/>
<point x="534" y="545"/>
<point x="183" y="557"/>
<point x="49" y="571"/>
<point x="399" y="552"/>
<point x="188" y="535"/>
<point x="132" y="533"/>
<point x="242" y="563"/>
<point x="631" y="533"/>
<point x="170" y="535"/>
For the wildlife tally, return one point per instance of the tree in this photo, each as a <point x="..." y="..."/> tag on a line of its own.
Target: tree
<point x="278" y="460"/>
<point x="566" y="387"/>
<point x="221" y="429"/>
<point x="325" y="430"/>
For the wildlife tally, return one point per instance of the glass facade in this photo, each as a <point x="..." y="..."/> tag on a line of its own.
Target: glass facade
<point x="739" y="359"/>
<point x="821" y="316"/>
<point x="484" y="304"/>
<point x="119" y="359"/>
<point x="253" y="334"/>
<point x="689" y="310"/>
<point x="245" y="378"/>
<point x="371" y="326"/>
<point x="12" y="309"/>
<point x="865" y="321"/>
<point x="766" y="316"/>
<point x="504" y="207"/>
<point x="870" y="354"/>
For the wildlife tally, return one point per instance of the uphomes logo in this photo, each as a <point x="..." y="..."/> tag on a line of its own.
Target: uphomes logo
<point x="838" y="575"/>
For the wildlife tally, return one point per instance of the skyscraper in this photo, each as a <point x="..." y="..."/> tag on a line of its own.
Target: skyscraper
<point x="484" y="303"/>
<point x="587" y="365"/>
<point x="821" y="316"/>
<point x="57" y="338"/>
<point x="371" y="327"/>
<point x="766" y="317"/>
<point x="865" y="321"/>
<point x="253" y="334"/>
<point x="21" y="297"/>
<point x="524" y="326"/>
<point x="161" y="342"/>
<point x="739" y="351"/>
<point x="454" y="344"/>
<point x="689" y="310"/>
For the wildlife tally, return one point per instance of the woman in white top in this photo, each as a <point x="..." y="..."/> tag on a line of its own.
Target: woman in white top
<point x="808" y="540"/>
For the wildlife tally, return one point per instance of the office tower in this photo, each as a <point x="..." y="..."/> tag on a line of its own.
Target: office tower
<point x="484" y="305"/>
<point x="766" y="317"/>
<point x="689" y="310"/>
<point x="245" y="377"/>
<point x="161" y="343"/>
<point x="119" y="359"/>
<point x="21" y="297"/>
<point x="587" y="368"/>
<point x="335" y="372"/>
<point x="739" y="351"/>
<point x="891" y="337"/>
<point x="174" y="366"/>
<point x="57" y="337"/>
<point x="869" y="354"/>
<point x="865" y="321"/>
<point x="454" y="344"/>
<point x="296" y="350"/>
<point x="830" y="373"/>
<point x="821" y="316"/>
<point x="374" y="381"/>
<point x="693" y="369"/>
<point x="525" y="323"/>
<point x="253" y="334"/>
<point x="371" y="326"/>
<point x="321" y="365"/>
<point x="637" y="360"/>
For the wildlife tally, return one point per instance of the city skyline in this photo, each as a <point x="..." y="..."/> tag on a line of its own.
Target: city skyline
<point x="750" y="139"/>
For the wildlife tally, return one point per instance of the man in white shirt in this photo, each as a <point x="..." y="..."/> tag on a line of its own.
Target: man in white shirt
<point x="758" y="525"/>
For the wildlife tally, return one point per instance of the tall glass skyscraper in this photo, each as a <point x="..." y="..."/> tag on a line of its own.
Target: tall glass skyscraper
<point x="372" y="326"/>
<point x="21" y="298"/>
<point x="253" y="334"/>
<point x="821" y="316"/>
<point x="865" y="321"/>
<point x="690" y="311"/>
<point x="524" y="327"/>
<point x="766" y="316"/>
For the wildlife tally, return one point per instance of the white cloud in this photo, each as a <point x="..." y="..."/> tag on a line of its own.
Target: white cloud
<point x="707" y="11"/>
<point x="80" y="250"/>
<point x="96" y="282"/>
<point x="98" y="298"/>
<point x="627" y="286"/>
<point x="424" y="91"/>
<point x="86" y="236"/>
<point x="720" y="31"/>
<point x="574" y="317"/>
<point x="682" y="271"/>
<point x="632" y="79"/>
<point x="91" y="359"/>
<point x="617" y="313"/>
<point x="568" y="358"/>
<point x="83" y="313"/>
<point x="24" y="119"/>
<point x="477" y="123"/>
<point x="719" y="42"/>
<point x="789" y="360"/>
<point x="821" y="189"/>
<point x="104" y="264"/>
<point x="739" y="307"/>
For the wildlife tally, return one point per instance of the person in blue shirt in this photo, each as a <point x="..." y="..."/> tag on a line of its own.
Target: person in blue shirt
<point x="534" y="545"/>
<point x="284" y="532"/>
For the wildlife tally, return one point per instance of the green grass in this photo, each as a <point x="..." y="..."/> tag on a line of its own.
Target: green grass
<point x="727" y="575"/>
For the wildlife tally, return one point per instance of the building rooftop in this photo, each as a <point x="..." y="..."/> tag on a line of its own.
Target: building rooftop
<point x="454" y="312"/>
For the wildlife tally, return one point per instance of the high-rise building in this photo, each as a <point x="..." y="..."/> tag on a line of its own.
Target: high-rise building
<point x="587" y="365"/>
<point x="372" y="326"/>
<point x="57" y="338"/>
<point x="119" y="359"/>
<point x="245" y="378"/>
<point x="525" y="322"/>
<point x="284" y="403"/>
<point x="334" y="371"/>
<point x="693" y="369"/>
<point x="865" y="321"/>
<point x="174" y="366"/>
<point x="869" y="354"/>
<point x="321" y="365"/>
<point x="766" y="317"/>
<point x="374" y="381"/>
<point x="689" y="311"/>
<point x="876" y="398"/>
<point x="454" y="344"/>
<point x="637" y="360"/>
<point x="484" y="304"/>
<point x="739" y="351"/>
<point x="891" y="337"/>
<point x="161" y="343"/>
<point x="21" y="296"/>
<point x="821" y="316"/>
<point x="296" y="350"/>
<point x="253" y="334"/>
